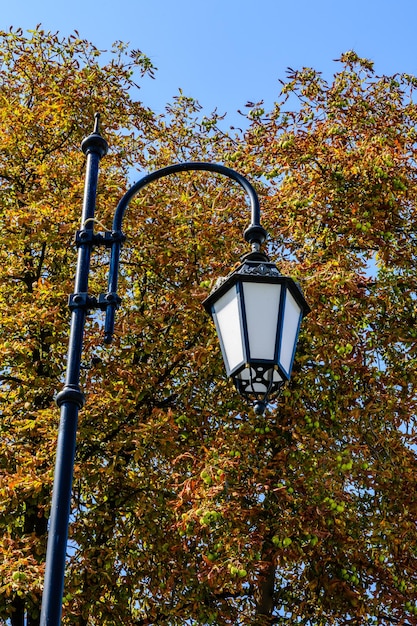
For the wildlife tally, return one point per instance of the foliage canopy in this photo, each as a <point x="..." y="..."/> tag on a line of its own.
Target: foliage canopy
<point x="188" y="508"/>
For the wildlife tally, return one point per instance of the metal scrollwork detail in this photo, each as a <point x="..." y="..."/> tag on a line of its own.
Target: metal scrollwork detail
<point x="263" y="269"/>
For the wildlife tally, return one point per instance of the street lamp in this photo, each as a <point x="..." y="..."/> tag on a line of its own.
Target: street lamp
<point x="257" y="313"/>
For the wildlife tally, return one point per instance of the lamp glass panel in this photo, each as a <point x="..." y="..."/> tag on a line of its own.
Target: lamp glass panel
<point x="290" y="327"/>
<point x="262" y="312"/>
<point x="229" y="328"/>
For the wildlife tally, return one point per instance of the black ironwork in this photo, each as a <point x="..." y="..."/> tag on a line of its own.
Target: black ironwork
<point x="107" y="239"/>
<point x="71" y="399"/>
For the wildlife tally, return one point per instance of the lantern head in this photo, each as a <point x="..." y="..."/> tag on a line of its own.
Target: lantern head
<point x="257" y="314"/>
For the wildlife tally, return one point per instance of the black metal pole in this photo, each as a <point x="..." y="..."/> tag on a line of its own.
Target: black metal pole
<point x="71" y="399"/>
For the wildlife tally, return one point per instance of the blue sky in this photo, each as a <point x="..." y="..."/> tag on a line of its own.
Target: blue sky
<point x="226" y="52"/>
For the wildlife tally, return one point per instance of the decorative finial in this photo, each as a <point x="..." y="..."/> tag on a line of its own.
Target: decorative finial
<point x="95" y="142"/>
<point x="96" y="123"/>
<point x="259" y="407"/>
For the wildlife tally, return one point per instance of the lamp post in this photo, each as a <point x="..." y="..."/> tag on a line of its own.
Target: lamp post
<point x="257" y="313"/>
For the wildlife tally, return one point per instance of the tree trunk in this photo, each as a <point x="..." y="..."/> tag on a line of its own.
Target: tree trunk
<point x="265" y="597"/>
<point x="18" y="616"/>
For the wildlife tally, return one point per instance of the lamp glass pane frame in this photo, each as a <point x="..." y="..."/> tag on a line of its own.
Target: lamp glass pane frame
<point x="290" y="308"/>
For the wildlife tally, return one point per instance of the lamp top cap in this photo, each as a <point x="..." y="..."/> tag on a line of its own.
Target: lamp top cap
<point x="95" y="143"/>
<point x="255" y="270"/>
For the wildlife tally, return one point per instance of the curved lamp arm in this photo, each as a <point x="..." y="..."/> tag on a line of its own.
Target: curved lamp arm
<point x="255" y="234"/>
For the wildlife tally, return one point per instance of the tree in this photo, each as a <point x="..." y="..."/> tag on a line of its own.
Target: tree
<point x="341" y="172"/>
<point x="188" y="508"/>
